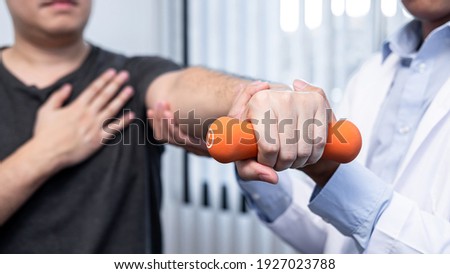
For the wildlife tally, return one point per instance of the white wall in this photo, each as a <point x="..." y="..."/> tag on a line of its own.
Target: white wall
<point x="6" y="31"/>
<point x="133" y="27"/>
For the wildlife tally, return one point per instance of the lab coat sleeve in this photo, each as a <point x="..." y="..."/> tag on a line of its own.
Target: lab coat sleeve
<point x="380" y="220"/>
<point x="405" y="228"/>
<point x="297" y="225"/>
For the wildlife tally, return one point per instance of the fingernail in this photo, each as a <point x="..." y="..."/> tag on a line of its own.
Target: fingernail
<point x="264" y="177"/>
<point x="123" y="74"/>
<point x="66" y="86"/>
<point x="300" y="84"/>
<point x="128" y="91"/>
<point x="110" y="71"/>
<point x="167" y="114"/>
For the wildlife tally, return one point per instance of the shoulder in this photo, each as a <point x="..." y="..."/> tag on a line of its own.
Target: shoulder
<point x="151" y="65"/>
<point x="134" y="63"/>
<point x="143" y="69"/>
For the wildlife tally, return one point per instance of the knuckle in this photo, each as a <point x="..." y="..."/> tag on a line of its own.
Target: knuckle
<point x="319" y="96"/>
<point x="243" y="173"/>
<point x="287" y="157"/>
<point x="104" y="96"/>
<point x="318" y="91"/>
<point x="320" y="146"/>
<point x="286" y="96"/>
<point x="89" y="114"/>
<point x="251" y="89"/>
<point x="114" y="86"/>
<point x="304" y="151"/>
<point x="298" y="163"/>
<point x="280" y="167"/>
<point x="315" y="96"/>
<point x="98" y="85"/>
<point x="285" y="161"/>
<point x="269" y="149"/>
<point x="88" y="138"/>
<point x="260" y="97"/>
<point x="313" y="159"/>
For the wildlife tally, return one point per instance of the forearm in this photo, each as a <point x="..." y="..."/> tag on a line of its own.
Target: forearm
<point x="198" y="95"/>
<point x="207" y="92"/>
<point x="21" y="174"/>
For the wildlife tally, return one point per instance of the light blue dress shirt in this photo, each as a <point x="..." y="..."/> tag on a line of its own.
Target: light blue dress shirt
<point x="355" y="197"/>
<point x="421" y="74"/>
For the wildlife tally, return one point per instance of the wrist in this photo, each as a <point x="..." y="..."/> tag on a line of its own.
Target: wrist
<point x="322" y="171"/>
<point x="29" y="166"/>
<point x="277" y="86"/>
<point x="45" y="156"/>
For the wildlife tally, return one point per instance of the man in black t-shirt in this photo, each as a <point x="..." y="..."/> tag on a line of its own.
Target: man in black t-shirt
<point x="62" y="188"/>
<point x="98" y="205"/>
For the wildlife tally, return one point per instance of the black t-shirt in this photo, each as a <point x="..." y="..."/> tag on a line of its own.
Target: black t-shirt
<point x="106" y="204"/>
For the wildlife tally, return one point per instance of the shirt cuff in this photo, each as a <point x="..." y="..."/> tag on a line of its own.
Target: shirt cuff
<point x="269" y="201"/>
<point x="352" y="201"/>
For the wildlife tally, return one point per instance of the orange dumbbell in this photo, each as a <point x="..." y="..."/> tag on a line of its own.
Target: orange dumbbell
<point x="231" y="140"/>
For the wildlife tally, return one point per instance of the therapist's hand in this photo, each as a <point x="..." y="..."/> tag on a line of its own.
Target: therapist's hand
<point x="322" y="170"/>
<point x="291" y="130"/>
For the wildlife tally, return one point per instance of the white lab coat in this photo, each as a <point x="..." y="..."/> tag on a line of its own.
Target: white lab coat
<point x="417" y="218"/>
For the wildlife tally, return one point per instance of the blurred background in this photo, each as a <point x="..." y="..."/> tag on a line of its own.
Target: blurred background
<point x="320" y="41"/>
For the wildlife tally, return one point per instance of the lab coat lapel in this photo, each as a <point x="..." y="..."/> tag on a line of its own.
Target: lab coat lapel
<point x="369" y="105"/>
<point x="435" y="113"/>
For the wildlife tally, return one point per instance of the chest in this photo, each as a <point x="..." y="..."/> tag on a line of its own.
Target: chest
<point x="424" y="173"/>
<point x="18" y="112"/>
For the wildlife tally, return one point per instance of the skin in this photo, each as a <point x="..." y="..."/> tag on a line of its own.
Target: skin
<point x="432" y="13"/>
<point x="49" y="44"/>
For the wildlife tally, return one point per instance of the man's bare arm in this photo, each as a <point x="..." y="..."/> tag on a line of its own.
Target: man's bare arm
<point x="208" y="93"/>
<point x="211" y="94"/>
<point x="22" y="173"/>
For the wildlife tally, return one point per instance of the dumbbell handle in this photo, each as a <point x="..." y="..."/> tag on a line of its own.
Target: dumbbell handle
<point x="229" y="140"/>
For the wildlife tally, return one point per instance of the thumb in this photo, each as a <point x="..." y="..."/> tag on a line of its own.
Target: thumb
<point x="57" y="99"/>
<point x="250" y="170"/>
<point x="243" y="97"/>
<point x="302" y="85"/>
